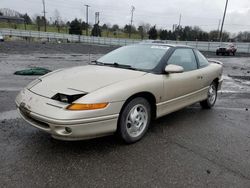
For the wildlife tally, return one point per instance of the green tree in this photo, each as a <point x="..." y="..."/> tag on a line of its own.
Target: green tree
<point x="152" y="33"/>
<point x="105" y="27"/>
<point x="115" y="27"/>
<point x="96" y="31"/>
<point x="141" y="31"/>
<point x="164" y="34"/>
<point x="243" y="36"/>
<point x="39" y="22"/>
<point x="26" y="18"/>
<point x="127" y="28"/>
<point x="85" y="25"/>
<point x="214" y="35"/>
<point x="75" y="27"/>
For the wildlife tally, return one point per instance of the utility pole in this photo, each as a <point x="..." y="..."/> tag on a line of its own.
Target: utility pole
<point x="97" y="14"/>
<point x="224" y="15"/>
<point x="179" y="28"/>
<point x="179" y="21"/>
<point x="44" y="16"/>
<point x="87" y="19"/>
<point x="131" y="21"/>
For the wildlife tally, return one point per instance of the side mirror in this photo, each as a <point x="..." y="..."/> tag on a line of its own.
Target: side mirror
<point x="174" y="69"/>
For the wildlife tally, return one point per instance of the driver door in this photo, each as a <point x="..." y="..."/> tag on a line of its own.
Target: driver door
<point x="181" y="89"/>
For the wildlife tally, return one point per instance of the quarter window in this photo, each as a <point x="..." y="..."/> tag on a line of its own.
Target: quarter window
<point x="185" y="58"/>
<point x="203" y="62"/>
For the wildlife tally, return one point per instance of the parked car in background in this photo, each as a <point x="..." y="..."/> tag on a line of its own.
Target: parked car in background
<point x="121" y="92"/>
<point x="226" y="49"/>
<point x="1" y="38"/>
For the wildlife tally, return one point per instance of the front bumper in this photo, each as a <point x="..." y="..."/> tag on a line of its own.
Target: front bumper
<point x="66" y="128"/>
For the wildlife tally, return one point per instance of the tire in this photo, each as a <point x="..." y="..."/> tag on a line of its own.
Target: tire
<point x="217" y="53"/>
<point x="134" y="120"/>
<point x="211" y="97"/>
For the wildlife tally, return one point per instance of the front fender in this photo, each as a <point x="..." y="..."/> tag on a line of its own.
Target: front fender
<point x="121" y="91"/>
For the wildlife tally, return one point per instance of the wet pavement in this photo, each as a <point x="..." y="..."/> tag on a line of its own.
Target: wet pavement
<point x="188" y="148"/>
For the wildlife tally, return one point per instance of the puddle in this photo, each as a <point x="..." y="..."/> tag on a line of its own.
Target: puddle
<point x="247" y="78"/>
<point x="51" y="57"/>
<point x="11" y="88"/>
<point x="12" y="114"/>
<point x="76" y="55"/>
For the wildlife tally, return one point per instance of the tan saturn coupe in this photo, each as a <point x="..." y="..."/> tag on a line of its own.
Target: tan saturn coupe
<point x="122" y="92"/>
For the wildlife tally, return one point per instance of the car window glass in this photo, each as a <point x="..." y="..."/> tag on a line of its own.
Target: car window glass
<point x="144" y="57"/>
<point x="184" y="58"/>
<point x="202" y="60"/>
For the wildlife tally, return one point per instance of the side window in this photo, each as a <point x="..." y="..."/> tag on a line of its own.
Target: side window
<point x="203" y="62"/>
<point x="185" y="58"/>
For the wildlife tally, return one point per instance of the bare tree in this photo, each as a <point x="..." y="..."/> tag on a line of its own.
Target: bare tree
<point x="144" y="29"/>
<point x="57" y="20"/>
<point x="10" y="12"/>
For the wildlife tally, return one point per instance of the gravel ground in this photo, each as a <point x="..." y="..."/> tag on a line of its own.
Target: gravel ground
<point x="22" y="47"/>
<point x="188" y="148"/>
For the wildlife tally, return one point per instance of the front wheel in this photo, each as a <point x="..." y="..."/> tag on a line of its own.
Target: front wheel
<point x="211" y="97"/>
<point x="134" y="120"/>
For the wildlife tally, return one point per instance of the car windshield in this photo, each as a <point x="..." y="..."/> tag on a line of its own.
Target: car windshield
<point x="224" y="45"/>
<point x="143" y="57"/>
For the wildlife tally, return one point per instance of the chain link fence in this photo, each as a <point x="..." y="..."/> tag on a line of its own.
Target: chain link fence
<point x="201" y="45"/>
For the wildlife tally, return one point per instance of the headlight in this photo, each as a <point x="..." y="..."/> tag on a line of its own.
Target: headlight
<point x="67" y="98"/>
<point x="77" y="106"/>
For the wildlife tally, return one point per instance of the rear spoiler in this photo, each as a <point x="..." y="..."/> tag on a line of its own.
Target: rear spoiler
<point x="215" y="61"/>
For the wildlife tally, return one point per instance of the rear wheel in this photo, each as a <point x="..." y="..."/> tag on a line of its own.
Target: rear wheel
<point x="211" y="97"/>
<point x="134" y="120"/>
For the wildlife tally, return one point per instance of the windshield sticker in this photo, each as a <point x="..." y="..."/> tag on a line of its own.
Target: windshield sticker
<point x="161" y="47"/>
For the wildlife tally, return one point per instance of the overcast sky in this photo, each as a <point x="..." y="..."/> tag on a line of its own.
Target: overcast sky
<point x="163" y="13"/>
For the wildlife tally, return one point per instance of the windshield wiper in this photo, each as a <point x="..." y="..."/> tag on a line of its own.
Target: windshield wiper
<point x="114" y="65"/>
<point x="96" y="62"/>
<point x="120" y="65"/>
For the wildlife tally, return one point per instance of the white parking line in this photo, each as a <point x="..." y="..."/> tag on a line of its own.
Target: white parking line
<point x="11" y="88"/>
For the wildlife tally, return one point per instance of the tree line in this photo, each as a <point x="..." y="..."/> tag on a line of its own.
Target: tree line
<point x="144" y="31"/>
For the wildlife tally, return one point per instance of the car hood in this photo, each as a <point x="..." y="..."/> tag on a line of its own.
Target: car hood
<point x="82" y="79"/>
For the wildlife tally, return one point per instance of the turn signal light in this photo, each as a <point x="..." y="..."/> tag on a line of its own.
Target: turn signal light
<point x="77" y="106"/>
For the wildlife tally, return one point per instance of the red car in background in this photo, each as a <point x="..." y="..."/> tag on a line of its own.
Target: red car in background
<point x="226" y="49"/>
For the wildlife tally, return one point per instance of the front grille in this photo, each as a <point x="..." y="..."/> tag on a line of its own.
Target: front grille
<point x="223" y="49"/>
<point x="33" y="120"/>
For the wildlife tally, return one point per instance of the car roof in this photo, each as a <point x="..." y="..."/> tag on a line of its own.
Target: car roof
<point x="163" y="43"/>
